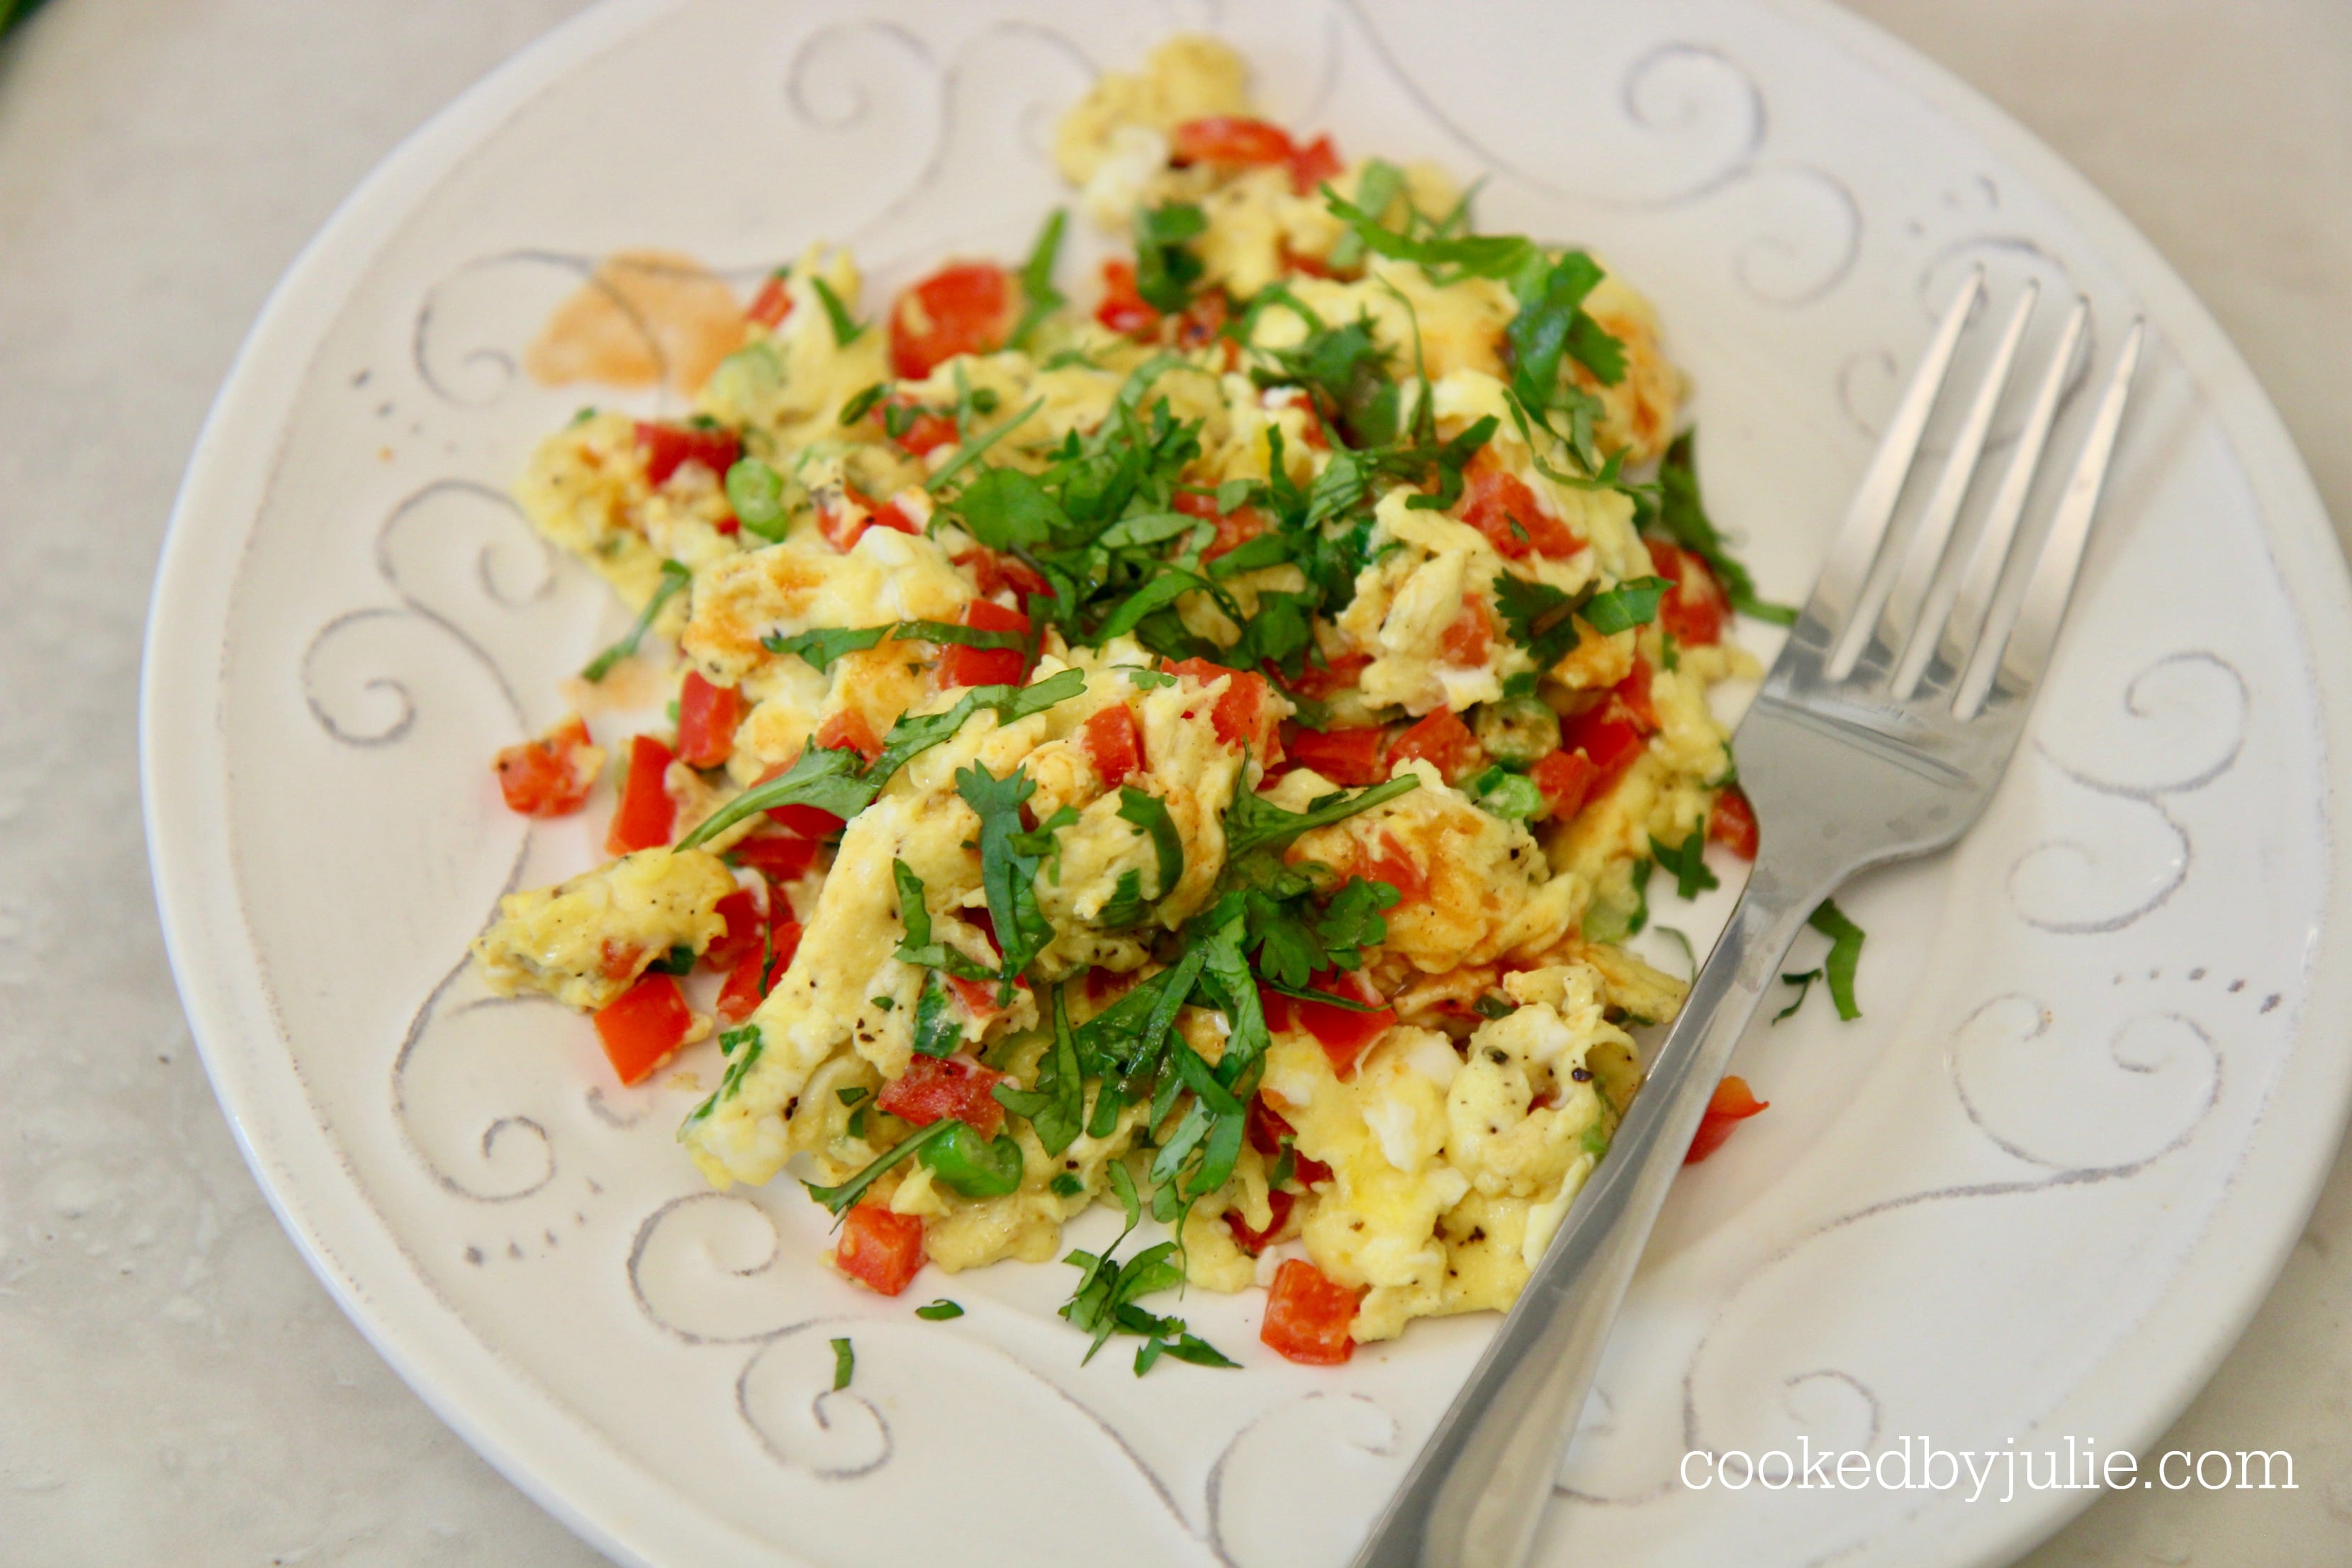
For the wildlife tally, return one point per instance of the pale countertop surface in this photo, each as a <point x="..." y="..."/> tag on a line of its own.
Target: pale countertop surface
<point x="175" y="1386"/>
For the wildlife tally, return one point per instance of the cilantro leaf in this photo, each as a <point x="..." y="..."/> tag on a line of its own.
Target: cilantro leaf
<point x="819" y="647"/>
<point x="971" y="452"/>
<point x="1008" y="866"/>
<point x="939" y="1029"/>
<point x="1683" y="516"/>
<point x="844" y="1365"/>
<point x="1253" y="822"/>
<point x="841" y="1198"/>
<point x="674" y="578"/>
<point x="1377" y="188"/>
<point x="1037" y="277"/>
<point x="918" y="948"/>
<point x="862" y="403"/>
<point x="1688" y="861"/>
<point x="1539" y="616"/>
<point x="939" y="1311"/>
<point x="1844" y="954"/>
<point x="1805" y="984"/>
<point x="915" y="733"/>
<point x="1633" y="603"/>
<point x="1005" y="509"/>
<point x="847" y="329"/>
<point x="1149" y="812"/>
<point x="1165" y="269"/>
<point x="823" y="776"/>
<point x="1056" y="1106"/>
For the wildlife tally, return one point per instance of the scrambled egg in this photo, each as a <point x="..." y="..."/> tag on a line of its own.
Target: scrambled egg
<point x="584" y="941"/>
<point x="1424" y="1169"/>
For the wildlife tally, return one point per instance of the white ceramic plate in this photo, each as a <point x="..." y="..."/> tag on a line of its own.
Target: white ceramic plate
<point x="2036" y="1192"/>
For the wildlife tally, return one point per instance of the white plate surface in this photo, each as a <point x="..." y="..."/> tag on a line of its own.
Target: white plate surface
<point x="2036" y="1192"/>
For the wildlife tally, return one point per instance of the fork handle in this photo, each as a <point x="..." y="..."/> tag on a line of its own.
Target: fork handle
<point x="1476" y="1493"/>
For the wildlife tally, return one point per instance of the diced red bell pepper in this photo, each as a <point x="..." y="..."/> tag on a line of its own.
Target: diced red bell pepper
<point x="1114" y="744"/>
<point x="543" y="777"/>
<point x="1468" y="639"/>
<point x="1267" y="1130"/>
<point x="1278" y="1205"/>
<point x="1630" y="699"/>
<point x="934" y="1087"/>
<point x="1444" y="740"/>
<point x="881" y="1250"/>
<point x="962" y="665"/>
<point x="1566" y="778"/>
<point x="1499" y="504"/>
<point x="964" y="308"/>
<point x="1610" y="743"/>
<point x="1343" y="1033"/>
<point x="644" y="1026"/>
<point x="1695" y="609"/>
<point x="1312" y="164"/>
<point x="979" y="996"/>
<point x="1234" y="528"/>
<point x="1124" y="311"/>
<point x="1327" y="679"/>
<point x="1230" y="138"/>
<point x="748" y="982"/>
<point x="926" y="432"/>
<point x="773" y="303"/>
<point x="997" y="573"/>
<point x="1242" y="717"/>
<point x="1349" y="757"/>
<point x="706" y="717"/>
<point x="746" y="933"/>
<point x="1389" y="861"/>
<point x="1727" y="1107"/>
<point x="844" y="526"/>
<point x="1307" y="1316"/>
<point x="647" y="813"/>
<point x="779" y="857"/>
<point x="1204" y="323"/>
<point x="670" y="447"/>
<point x="1732" y="823"/>
<point x="851" y="728"/>
<point x="808" y="821"/>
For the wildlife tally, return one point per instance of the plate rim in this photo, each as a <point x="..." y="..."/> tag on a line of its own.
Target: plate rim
<point x="505" y="1415"/>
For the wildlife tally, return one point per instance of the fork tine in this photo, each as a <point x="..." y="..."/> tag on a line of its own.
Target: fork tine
<point x="1865" y="528"/>
<point x="2019" y="649"/>
<point x="1963" y="595"/>
<point x="1894" y="588"/>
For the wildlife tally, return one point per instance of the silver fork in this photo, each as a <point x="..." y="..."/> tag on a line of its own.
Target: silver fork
<point x="1879" y="735"/>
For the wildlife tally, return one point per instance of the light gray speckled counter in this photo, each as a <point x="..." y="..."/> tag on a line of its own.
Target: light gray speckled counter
<point x="174" y="1385"/>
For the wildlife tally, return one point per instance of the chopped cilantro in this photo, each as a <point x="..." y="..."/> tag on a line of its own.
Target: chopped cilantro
<point x="674" y="578"/>
<point x="845" y="1359"/>
<point x="1165" y="269"/>
<point x="1688" y="861"/>
<point x="823" y="776"/>
<point x="939" y="1311"/>
<point x="1149" y="812"/>
<point x="939" y="1026"/>
<point x="1538" y="617"/>
<point x="841" y="1198"/>
<point x="847" y="329"/>
<point x="1037" y="279"/>
<point x="1844" y="954"/>
<point x="862" y="404"/>
<point x="1683" y="516"/>
<point x="1633" y="603"/>
<point x="1805" y="984"/>
<point x="819" y="647"/>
